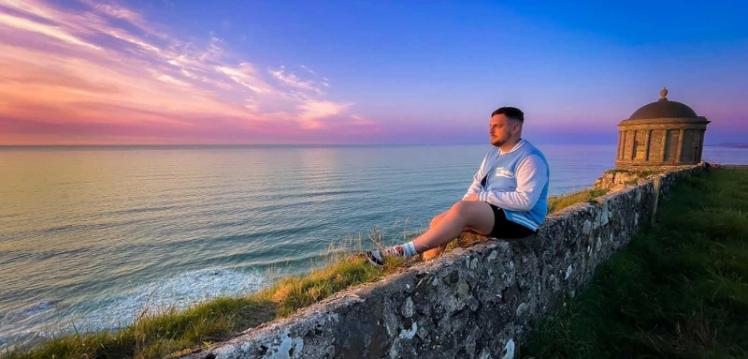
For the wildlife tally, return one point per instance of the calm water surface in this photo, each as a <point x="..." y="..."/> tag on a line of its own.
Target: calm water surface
<point x="91" y="236"/>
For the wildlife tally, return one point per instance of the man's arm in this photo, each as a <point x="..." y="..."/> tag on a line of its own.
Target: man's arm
<point x="532" y="175"/>
<point x="471" y="197"/>
<point x="475" y="187"/>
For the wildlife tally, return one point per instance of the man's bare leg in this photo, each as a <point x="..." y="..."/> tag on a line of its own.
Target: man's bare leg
<point x="434" y="252"/>
<point x="464" y="215"/>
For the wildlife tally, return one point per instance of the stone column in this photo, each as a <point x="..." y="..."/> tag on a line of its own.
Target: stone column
<point x="620" y="144"/>
<point x="632" y="155"/>
<point x="679" y="151"/>
<point x="646" y="145"/>
<point x="664" y="145"/>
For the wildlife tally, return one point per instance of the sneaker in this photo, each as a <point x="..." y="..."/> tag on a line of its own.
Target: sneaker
<point x="375" y="257"/>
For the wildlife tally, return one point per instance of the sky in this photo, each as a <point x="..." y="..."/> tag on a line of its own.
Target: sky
<point x="361" y="72"/>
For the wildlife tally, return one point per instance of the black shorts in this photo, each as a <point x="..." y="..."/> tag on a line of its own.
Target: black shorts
<point x="504" y="228"/>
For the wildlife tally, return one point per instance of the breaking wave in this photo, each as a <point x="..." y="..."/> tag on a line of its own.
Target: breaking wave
<point x="49" y="317"/>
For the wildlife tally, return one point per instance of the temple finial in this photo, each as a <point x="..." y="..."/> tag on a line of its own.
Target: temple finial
<point x="663" y="93"/>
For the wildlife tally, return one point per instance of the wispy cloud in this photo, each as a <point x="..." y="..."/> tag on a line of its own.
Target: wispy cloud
<point x="294" y="81"/>
<point x="55" y="32"/>
<point x="245" y="75"/>
<point x="103" y="73"/>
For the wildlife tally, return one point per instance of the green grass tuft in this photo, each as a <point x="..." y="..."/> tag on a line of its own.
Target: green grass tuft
<point x="557" y="203"/>
<point x="293" y="293"/>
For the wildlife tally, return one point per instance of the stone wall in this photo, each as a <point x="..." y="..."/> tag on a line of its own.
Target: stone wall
<point x="623" y="176"/>
<point x="476" y="302"/>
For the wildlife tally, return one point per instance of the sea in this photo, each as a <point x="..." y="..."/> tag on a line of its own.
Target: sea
<point x="91" y="237"/>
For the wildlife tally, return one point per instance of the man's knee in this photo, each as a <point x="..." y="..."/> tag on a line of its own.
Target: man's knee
<point x="462" y="208"/>
<point x="438" y="218"/>
<point x="457" y="206"/>
<point x="473" y="214"/>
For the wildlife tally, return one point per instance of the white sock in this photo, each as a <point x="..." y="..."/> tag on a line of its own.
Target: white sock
<point x="401" y="250"/>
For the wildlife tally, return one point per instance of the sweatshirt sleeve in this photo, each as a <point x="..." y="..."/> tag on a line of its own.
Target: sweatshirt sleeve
<point x="475" y="187"/>
<point x="532" y="175"/>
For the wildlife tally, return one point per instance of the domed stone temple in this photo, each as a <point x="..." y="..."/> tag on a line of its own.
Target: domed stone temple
<point x="662" y="133"/>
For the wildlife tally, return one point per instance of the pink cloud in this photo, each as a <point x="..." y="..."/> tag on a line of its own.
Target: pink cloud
<point x="107" y="75"/>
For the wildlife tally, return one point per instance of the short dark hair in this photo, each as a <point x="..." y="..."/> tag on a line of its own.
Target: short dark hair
<point x="511" y="112"/>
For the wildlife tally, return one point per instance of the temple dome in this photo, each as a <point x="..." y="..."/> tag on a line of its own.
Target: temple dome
<point x="664" y="108"/>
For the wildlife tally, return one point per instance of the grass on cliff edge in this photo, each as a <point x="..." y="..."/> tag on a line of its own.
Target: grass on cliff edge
<point x="557" y="203"/>
<point x="156" y="336"/>
<point x="679" y="289"/>
<point x="162" y="334"/>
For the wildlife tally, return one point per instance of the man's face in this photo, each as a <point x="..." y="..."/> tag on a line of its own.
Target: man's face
<point x="501" y="129"/>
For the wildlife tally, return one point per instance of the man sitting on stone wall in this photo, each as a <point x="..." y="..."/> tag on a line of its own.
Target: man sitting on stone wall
<point x="507" y="199"/>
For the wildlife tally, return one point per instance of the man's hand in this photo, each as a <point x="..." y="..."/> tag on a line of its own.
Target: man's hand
<point x="472" y="197"/>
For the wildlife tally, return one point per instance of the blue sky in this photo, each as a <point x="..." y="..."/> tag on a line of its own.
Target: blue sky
<point x="431" y="72"/>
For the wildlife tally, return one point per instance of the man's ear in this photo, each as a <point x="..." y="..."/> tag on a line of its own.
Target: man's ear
<point x="517" y="126"/>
